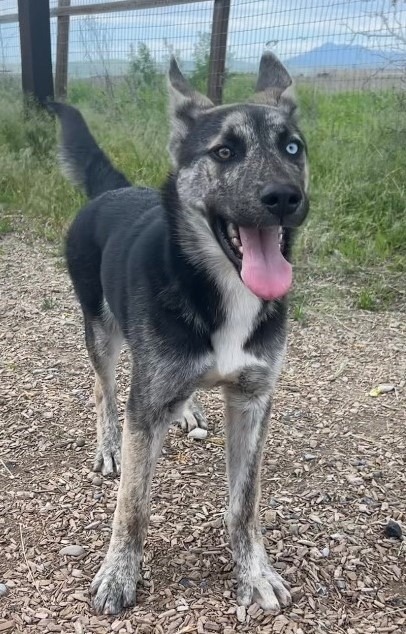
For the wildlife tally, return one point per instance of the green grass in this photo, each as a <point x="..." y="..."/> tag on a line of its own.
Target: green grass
<point x="358" y="165"/>
<point x="356" y="144"/>
<point x="48" y="303"/>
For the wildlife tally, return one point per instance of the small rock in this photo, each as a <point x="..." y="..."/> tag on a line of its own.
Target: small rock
<point x="313" y="443"/>
<point x="80" y="442"/>
<point x="309" y="456"/>
<point x="340" y="583"/>
<point x="321" y="590"/>
<point x="241" y="613"/>
<point x="270" y="518"/>
<point x="186" y="583"/>
<point x="198" y="433"/>
<point x="393" y="529"/>
<point x="97" y="481"/>
<point x="325" y="551"/>
<point x="3" y="590"/>
<point x="72" y="551"/>
<point x="383" y="388"/>
<point x="273" y="503"/>
<point x="352" y="479"/>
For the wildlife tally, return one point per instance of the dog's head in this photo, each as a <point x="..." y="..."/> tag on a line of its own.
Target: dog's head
<point x="241" y="173"/>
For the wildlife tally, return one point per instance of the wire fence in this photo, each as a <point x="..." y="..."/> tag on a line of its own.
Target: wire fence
<point x="333" y="45"/>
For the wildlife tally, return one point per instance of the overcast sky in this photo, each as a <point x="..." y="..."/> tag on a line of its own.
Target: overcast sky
<point x="290" y="27"/>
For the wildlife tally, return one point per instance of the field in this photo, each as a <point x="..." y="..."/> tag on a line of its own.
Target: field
<point x="334" y="470"/>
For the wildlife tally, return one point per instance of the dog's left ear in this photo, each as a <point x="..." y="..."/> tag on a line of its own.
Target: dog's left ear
<point x="185" y="105"/>
<point x="273" y="80"/>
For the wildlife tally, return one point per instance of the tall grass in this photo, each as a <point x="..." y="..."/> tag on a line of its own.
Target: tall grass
<point x="356" y="144"/>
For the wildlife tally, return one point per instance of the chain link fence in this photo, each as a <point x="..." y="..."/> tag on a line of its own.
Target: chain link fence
<point x="338" y="45"/>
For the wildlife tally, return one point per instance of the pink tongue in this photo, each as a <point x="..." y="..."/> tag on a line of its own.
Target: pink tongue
<point x="264" y="269"/>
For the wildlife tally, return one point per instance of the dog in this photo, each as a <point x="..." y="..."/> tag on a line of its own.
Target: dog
<point x="195" y="279"/>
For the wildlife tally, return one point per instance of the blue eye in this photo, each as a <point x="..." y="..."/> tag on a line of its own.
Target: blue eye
<point x="292" y="147"/>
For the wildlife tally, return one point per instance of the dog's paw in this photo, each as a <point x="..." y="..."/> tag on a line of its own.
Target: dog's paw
<point x="192" y="416"/>
<point x="114" y="586"/>
<point x="108" y="456"/>
<point x="268" y="589"/>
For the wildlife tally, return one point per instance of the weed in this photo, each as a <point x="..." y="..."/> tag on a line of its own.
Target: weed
<point x="48" y="303"/>
<point x="366" y="300"/>
<point x="299" y="313"/>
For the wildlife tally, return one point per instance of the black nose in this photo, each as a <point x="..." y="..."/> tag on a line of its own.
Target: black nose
<point x="281" y="199"/>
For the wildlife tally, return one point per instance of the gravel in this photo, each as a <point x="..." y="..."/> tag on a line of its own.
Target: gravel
<point x="72" y="551"/>
<point x="393" y="529"/>
<point x="198" y="433"/>
<point x="336" y="503"/>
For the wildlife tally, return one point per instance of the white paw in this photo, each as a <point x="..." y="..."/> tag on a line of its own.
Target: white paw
<point x="192" y="416"/>
<point x="114" y="586"/>
<point x="268" y="589"/>
<point x="108" y="455"/>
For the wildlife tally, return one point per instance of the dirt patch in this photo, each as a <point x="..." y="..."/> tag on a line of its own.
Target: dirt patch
<point x="334" y="472"/>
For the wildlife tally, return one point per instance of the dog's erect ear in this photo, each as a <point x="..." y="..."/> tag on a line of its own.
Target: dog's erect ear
<point x="185" y="104"/>
<point x="273" y="79"/>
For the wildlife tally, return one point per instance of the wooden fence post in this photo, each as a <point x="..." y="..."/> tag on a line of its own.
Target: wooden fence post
<point x="62" y="52"/>
<point x="218" y="46"/>
<point x="35" y="44"/>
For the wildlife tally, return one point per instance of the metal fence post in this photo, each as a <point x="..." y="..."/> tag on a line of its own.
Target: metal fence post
<point x="218" y="46"/>
<point x="62" y="52"/>
<point x="35" y="44"/>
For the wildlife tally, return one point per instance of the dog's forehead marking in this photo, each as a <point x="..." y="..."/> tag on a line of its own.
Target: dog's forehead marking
<point x="248" y="119"/>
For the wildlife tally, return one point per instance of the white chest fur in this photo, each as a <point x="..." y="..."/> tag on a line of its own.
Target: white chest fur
<point x="241" y="308"/>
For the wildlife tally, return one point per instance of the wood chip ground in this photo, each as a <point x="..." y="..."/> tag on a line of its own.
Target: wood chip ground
<point x="334" y="474"/>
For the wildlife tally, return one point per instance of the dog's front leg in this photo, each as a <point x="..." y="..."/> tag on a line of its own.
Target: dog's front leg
<point x="114" y="586"/>
<point x="247" y="425"/>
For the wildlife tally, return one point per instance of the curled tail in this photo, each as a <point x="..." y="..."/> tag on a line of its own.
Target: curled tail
<point x="83" y="161"/>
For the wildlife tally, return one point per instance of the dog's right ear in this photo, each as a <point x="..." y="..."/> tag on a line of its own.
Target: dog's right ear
<point x="185" y="104"/>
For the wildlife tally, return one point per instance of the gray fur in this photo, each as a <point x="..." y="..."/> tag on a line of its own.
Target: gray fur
<point x="246" y="428"/>
<point x="103" y="341"/>
<point x="177" y="342"/>
<point x="272" y="76"/>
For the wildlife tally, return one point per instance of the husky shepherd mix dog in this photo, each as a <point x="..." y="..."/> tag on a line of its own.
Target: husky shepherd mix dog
<point x="195" y="280"/>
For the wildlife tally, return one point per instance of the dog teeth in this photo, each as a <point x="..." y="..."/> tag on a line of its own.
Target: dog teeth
<point x="232" y="230"/>
<point x="234" y="236"/>
<point x="280" y="236"/>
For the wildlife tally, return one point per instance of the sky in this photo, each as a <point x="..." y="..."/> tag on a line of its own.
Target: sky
<point x="289" y="27"/>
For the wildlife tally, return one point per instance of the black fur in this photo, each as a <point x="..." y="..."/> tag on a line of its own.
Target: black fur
<point x="89" y="165"/>
<point x="159" y="269"/>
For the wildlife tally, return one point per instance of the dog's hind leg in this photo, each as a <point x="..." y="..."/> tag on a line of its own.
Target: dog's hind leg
<point x="246" y="427"/>
<point x="103" y="341"/>
<point x="192" y="415"/>
<point x="145" y="427"/>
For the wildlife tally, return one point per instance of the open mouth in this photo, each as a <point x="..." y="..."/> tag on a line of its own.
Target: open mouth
<point x="257" y="255"/>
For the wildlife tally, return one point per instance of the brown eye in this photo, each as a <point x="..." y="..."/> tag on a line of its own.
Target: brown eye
<point x="223" y="153"/>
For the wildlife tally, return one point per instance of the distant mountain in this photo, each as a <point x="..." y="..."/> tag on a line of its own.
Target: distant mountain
<point x="331" y="56"/>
